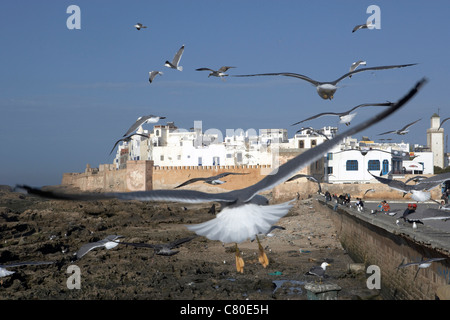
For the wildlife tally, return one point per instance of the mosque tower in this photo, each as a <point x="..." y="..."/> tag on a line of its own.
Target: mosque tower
<point x="435" y="141"/>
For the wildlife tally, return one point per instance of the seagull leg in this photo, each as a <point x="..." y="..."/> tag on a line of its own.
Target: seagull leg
<point x="262" y="255"/>
<point x="239" y="261"/>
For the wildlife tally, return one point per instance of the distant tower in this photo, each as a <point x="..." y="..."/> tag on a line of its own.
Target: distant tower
<point x="435" y="141"/>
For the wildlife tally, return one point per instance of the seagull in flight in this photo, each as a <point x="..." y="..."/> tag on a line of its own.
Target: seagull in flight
<point x="210" y="180"/>
<point x="216" y="73"/>
<point x="326" y="90"/>
<point x="366" y="25"/>
<point x="176" y="60"/>
<point x="4" y="272"/>
<point x="423" y="264"/>
<point x="165" y="249"/>
<point x="401" y="131"/>
<point x="311" y="129"/>
<point x="309" y="177"/>
<point x="346" y="116"/>
<point x="109" y="242"/>
<point x="419" y="192"/>
<point x="244" y="212"/>
<point x="153" y="74"/>
<point x="356" y="65"/>
<point x="139" y="26"/>
<point x="128" y="139"/>
<point x="143" y="120"/>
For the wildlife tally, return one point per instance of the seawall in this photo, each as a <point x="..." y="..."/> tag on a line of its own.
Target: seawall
<point x="374" y="240"/>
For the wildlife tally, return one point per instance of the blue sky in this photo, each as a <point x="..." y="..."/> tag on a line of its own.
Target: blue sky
<point x="67" y="95"/>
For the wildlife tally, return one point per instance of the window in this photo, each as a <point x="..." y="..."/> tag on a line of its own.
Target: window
<point x="301" y="144"/>
<point x="161" y="157"/>
<point x="330" y="170"/>
<point x="200" y="161"/>
<point x="313" y="143"/>
<point x="157" y="133"/>
<point x="385" y="167"/>
<point x="329" y="156"/>
<point x="373" y="165"/>
<point x="351" y="165"/>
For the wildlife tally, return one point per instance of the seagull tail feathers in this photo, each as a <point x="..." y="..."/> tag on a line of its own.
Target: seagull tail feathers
<point x="237" y="224"/>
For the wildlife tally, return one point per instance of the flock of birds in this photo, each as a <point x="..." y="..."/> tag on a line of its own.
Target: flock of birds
<point x="245" y="213"/>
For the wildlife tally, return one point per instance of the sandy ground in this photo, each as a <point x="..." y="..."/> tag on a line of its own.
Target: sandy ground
<point x="34" y="229"/>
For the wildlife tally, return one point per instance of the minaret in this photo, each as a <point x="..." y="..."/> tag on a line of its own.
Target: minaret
<point x="435" y="141"/>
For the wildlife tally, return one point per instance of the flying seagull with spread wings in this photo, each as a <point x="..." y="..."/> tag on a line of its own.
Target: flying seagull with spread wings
<point x="109" y="242"/>
<point x="216" y="73"/>
<point x="346" y="116"/>
<point x="139" y="26"/>
<point x="423" y="264"/>
<point x="307" y="176"/>
<point x="165" y="249"/>
<point x="176" y="60"/>
<point x="420" y="191"/>
<point x="401" y="131"/>
<point x="128" y="139"/>
<point x="153" y="74"/>
<point x="327" y="89"/>
<point x="244" y="212"/>
<point x="143" y="120"/>
<point x="4" y="272"/>
<point x="210" y="180"/>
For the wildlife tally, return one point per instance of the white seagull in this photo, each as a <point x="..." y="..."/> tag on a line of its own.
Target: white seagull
<point x="346" y="116"/>
<point x="143" y="120"/>
<point x="244" y="213"/>
<point x="423" y="264"/>
<point x="325" y="90"/>
<point x="139" y="26"/>
<point x="153" y="74"/>
<point x="401" y="131"/>
<point x="176" y="60"/>
<point x="216" y="73"/>
<point x="109" y="242"/>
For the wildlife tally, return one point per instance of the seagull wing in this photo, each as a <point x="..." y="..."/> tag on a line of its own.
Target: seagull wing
<point x="191" y="181"/>
<point x="409" y="125"/>
<point x="287" y="74"/>
<point x="27" y="263"/>
<point x="383" y="104"/>
<point x="136" y="125"/>
<point x="359" y="26"/>
<point x="443" y="121"/>
<point x="294" y="165"/>
<point x="394" y="184"/>
<point x="179" y="242"/>
<point x="127" y="139"/>
<point x="439" y="178"/>
<point x="205" y="69"/>
<point x="225" y="68"/>
<point x="371" y="68"/>
<point x="178" y="55"/>
<point x="319" y="115"/>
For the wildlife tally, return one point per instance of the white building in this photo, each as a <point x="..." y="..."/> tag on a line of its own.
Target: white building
<point x="354" y="162"/>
